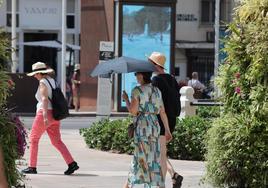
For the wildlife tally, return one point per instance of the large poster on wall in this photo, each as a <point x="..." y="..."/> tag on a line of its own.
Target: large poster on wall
<point x="145" y="29"/>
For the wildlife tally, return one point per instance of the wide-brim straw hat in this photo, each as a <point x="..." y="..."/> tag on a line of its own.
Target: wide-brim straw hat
<point x="39" y="67"/>
<point x="76" y="67"/>
<point x="158" y="58"/>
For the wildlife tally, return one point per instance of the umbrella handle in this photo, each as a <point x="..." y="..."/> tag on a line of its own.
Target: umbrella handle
<point x="124" y="82"/>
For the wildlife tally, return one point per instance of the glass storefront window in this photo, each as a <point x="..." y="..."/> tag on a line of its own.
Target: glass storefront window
<point x="70" y="22"/>
<point x="70" y="6"/>
<point x="70" y="14"/>
<point x="145" y="29"/>
<point x="9" y="20"/>
<point x="9" y="13"/>
<point x="9" y="7"/>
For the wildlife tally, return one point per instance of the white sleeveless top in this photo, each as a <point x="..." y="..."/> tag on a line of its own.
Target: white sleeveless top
<point x="38" y="95"/>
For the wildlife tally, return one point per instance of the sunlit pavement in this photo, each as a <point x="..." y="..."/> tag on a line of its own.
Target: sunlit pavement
<point x="97" y="169"/>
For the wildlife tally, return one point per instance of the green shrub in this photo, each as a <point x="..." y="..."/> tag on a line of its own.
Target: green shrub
<point x="208" y="111"/>
<point x="7" y="133"/>
<point x="238" y="142"/>
<point x="188" y="139"/>
<point x="237" y="154"/>
<point x="9" y="146"/>
<point x="108" y="135"/>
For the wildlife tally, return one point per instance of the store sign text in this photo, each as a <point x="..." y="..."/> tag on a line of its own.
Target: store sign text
<point x="36" y="10"/>
<point x="186" y="17"/>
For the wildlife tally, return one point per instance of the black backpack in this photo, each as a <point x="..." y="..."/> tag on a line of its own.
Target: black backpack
<point x="60" y="108"/>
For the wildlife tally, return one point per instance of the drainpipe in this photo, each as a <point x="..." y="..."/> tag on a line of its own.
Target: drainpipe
<point x="63" y="48"/>
<point x="217" y="42"/>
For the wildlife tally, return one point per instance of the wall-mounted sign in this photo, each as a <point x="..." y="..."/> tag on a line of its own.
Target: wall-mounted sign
<point x="106" y="50"/>
<point x="186" y="17"/>
<point x="40" y="14"/>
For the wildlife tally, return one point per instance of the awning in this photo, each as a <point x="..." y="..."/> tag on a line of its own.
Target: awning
<point x="194" y="45"/>
<point x="51" y="44"/>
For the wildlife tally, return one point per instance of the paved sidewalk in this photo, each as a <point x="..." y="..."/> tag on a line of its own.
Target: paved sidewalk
<point x="97" y="169"/>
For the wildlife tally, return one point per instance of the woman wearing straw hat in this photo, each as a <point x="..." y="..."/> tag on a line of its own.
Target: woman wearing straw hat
<point x="76" y="87"/>
<point x="164" y="82"/>
<point x="145" y="104"/>
<point x="44" y="121"/>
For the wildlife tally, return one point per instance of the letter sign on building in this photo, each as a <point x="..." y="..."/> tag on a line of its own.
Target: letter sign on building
<point x="40" y="14"/>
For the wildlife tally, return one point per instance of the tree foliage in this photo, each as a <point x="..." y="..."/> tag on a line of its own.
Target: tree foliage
<point x="238" y="141"/>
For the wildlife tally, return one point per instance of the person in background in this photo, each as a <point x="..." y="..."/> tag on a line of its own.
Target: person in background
<point x="163" y="82"/>
<point x="44" y="121"/>
<point x="3" y="180"/>
<point x="146" y="103"/>
<point x="68" y="92"/>
<point x="198" y="87"/>
<point x="76" y="87"/>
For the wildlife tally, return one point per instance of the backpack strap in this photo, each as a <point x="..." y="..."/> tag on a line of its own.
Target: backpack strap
<point x="51" y="88"/>
<point x="49" y="83"/>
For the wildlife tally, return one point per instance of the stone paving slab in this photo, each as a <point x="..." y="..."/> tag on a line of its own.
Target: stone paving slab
<point x="97" y="169"/>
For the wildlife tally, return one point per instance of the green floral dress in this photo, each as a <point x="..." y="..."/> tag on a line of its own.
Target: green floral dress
<point x="145" y="166"/>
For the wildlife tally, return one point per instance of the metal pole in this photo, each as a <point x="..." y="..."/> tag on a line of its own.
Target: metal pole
<point x="63" y="48"/>
<point x="217" y="42"/>
<point x="13" y="37"/>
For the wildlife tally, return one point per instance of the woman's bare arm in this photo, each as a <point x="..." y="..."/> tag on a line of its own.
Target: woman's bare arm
<point x="164" y="119"/>
<point x="45" y="100"/>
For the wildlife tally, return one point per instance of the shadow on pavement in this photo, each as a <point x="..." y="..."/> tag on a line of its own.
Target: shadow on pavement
<point x="77" y="175"/>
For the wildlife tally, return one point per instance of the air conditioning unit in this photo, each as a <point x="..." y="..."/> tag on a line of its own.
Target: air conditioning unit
<point x="210" y="36"/>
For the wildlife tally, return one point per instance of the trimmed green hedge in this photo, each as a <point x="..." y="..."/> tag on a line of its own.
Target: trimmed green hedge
<point x="188" y="139"/>
<point x="187" y="144"/>
<point x="108" y="135"/>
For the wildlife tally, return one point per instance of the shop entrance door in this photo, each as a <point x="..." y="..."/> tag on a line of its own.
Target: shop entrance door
<point x="201" y="61"/>
<point x="32" y="54"/>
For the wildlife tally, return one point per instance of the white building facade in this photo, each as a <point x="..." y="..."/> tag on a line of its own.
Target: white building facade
<point x="195" y="36"/>
<point x="41" y="20"/>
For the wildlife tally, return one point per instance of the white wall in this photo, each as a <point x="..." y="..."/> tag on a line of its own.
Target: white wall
<point x="190" y="30"/>
<point x="181" y="62"/>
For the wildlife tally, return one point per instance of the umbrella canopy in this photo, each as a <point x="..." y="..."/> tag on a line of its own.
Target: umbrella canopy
<point x="122" y="65"/>
<point x="51" y="44"/>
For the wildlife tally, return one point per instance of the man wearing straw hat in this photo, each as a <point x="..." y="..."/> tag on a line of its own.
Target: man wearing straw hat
<point x="164" y="82"/>
<point x="44" y="121"/>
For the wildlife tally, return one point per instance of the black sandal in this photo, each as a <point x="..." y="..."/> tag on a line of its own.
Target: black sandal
<point x="177" y="180"/>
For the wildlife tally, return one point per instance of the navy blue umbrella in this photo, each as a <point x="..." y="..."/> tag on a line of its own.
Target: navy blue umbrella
<point x="122" y="65"/>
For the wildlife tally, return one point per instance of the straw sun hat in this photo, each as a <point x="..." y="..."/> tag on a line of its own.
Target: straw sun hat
<point x="158" y="58"/>
<point x="39" y="67"/>
<point x="76" y="67"/>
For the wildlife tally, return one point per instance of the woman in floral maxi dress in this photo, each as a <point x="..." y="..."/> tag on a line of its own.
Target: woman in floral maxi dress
<point x="146" y="103"/>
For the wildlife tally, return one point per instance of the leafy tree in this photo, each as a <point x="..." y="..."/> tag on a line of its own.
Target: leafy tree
<point x="8" y="140"/>
<point x="238" y="141"/>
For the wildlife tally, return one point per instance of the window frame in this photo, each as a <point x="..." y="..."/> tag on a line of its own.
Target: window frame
<point x="211" y="13"/>
<point x="71" y="14"/>
<point x="9" y="13"/>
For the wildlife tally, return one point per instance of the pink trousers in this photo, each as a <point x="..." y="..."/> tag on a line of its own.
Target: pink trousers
<point x="53" y="131"/>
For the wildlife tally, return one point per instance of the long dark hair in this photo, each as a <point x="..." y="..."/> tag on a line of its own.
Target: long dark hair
<point x="146" y="76"/>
